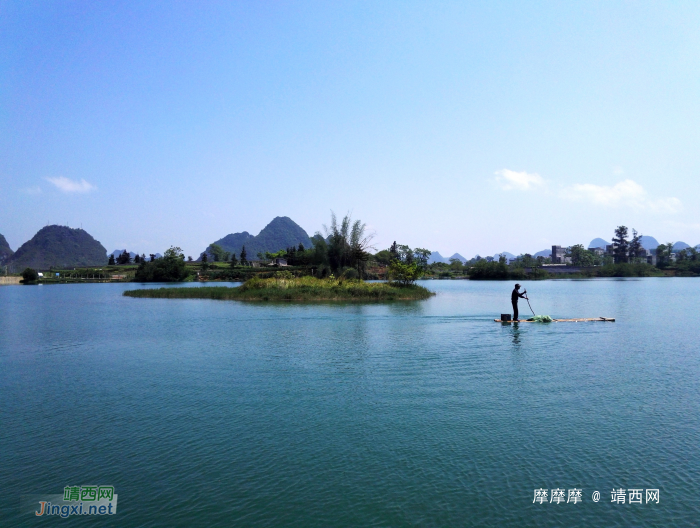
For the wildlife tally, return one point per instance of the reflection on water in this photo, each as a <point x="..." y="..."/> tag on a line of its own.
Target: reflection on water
<point x="515" y="331"/>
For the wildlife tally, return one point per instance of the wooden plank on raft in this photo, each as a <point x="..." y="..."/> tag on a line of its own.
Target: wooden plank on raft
<point x="580" y="320"/>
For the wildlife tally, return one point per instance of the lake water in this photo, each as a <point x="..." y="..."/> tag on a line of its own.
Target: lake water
<point x="215" y="413"/>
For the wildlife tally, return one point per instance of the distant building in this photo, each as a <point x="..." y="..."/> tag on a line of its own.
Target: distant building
<point x="598" y="251"/>
<point x="647" y="255"/>
<point x="278" y="262"/>
<point x="559" y="255"/>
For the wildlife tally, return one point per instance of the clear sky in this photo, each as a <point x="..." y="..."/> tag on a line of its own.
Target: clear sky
<point x="470" y="127"/>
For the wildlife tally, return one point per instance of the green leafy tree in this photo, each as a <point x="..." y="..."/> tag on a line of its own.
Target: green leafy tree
<point x="137" y="258"/>
<point x="244" y="256"/>
<point x="404" y="273"/>
<point x="580" y="256"/>
<point x="405" y="253"/>
<point x="124" y="258"/>
<point x="174" y="252"/>
<point x="663" y="255"/>
<point x="170" y="268"/>
<point x="621" y="244"/>
<point x="205" y="258"/>
<point x="383" y="257"/>
<point x="360" y="244"/>
<point x="394" y="251"/>
<point x="347" y="243"/>
<point x="30" y="275"/>
<point x="234" y="260"/>
<point x="218" y="253"/>
<point x="111" y="260"/>
<point x="153" y="256"/>
<point x="421" y="257"/>
<point x="635" y="247"/>
<point x="489" y="270"/>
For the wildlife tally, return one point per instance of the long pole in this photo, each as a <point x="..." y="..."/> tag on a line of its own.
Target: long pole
<point x="528" y="303"/>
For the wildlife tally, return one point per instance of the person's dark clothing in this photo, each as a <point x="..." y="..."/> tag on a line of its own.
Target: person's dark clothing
<point x="514" y="301"/>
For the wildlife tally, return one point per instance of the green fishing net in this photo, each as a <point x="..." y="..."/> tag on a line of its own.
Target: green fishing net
<point x="541" y="319"/>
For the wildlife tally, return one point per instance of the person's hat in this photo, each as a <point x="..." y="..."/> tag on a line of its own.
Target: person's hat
<point x="517" y="285"/>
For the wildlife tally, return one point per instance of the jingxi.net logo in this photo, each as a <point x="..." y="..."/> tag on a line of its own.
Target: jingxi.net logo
<point x="76" y="500"/>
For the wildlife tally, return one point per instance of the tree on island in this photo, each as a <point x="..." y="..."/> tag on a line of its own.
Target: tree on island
<point x="204" y="257"/>
<point x="234" y="260"/>
<point x="124" y="258"/>
<point x="244" y="257"/>
<point x="347" y="243"/>
<point x="111" y="260"/>
<point x="404" y="273"/>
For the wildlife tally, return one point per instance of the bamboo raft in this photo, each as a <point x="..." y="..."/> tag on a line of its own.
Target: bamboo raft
<point x="603" y="319"/>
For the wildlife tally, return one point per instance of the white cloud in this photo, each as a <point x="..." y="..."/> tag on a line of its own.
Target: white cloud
<point x="625" y="193"/>
<point x="71" y="186"/>
<point x="509" y="180"/>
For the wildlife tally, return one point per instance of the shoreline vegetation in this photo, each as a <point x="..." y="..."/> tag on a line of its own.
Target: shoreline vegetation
<point x="300" y="289"/>
<point x="345" y="251"/>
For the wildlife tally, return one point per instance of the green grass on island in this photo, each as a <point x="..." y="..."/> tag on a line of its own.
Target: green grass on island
<point x="294" y="289"/>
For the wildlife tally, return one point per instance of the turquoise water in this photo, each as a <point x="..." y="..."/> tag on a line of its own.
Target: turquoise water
<point x="211" y="413"/>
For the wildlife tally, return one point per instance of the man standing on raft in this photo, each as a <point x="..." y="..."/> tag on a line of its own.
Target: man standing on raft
<point x="514" y="300"/>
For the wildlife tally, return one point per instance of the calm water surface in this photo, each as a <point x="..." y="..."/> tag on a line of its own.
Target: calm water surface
<point x="211" y="413"/>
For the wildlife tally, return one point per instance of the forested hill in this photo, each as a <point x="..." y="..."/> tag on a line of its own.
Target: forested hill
<point x="281" y="233"/>
<point x="59" y="247"/>
<point x="5" y="250"/>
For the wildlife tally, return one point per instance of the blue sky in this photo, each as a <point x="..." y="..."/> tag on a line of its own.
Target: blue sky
<point x="459" y="127"/>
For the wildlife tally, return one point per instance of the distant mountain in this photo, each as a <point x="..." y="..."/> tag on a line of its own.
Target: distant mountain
<point x="5" y="251"/>
<point x="598" y="243"/>
<point x="678" y="246"/>
<point x="458" y="257"/>
<point x="59" y="247"/>
<point x="279" y="234"/>
<point x="436" y="257"/>
<point x="546" y="252"/>
<point x="649" y="242"/>
<point x="507" y="255"/>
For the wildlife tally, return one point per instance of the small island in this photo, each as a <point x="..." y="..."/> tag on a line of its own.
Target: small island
<point x="300" y="289"/>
